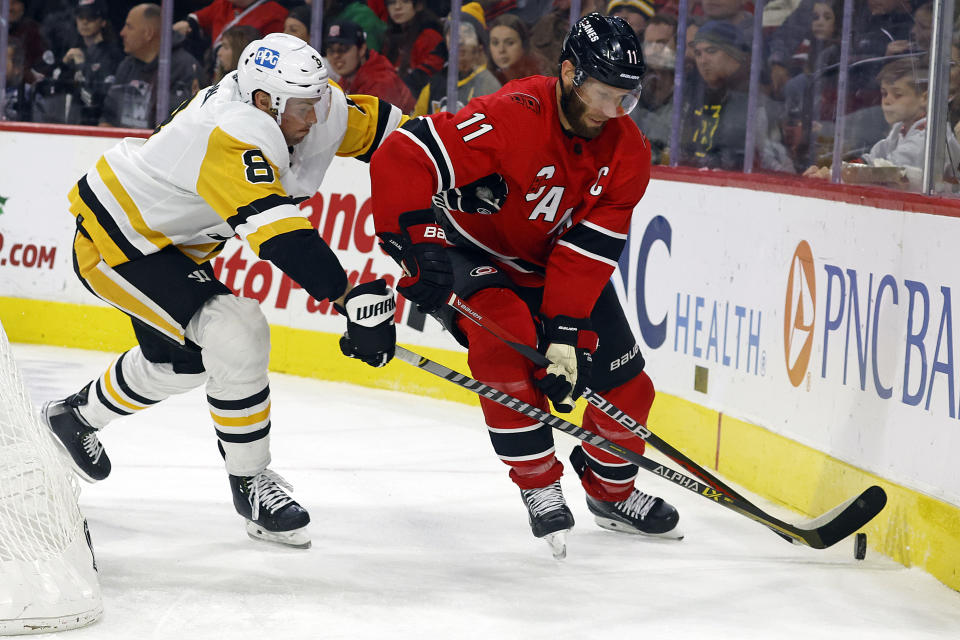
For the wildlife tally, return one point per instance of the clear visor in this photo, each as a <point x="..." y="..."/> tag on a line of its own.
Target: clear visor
<point x="613" y="102"/>
<point x="300" y="109"/>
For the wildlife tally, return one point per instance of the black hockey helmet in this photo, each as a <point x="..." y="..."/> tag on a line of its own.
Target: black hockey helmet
<point x="604" y="48"/>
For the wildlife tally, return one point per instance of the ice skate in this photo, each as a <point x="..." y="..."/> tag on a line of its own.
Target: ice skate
<point x="639" y="513"/>
<point x="550" y="518"/>
<point x="76" y="438"/>
<point x="271" y="514"/>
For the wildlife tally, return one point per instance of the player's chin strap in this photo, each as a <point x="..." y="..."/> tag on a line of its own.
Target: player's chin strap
<point x="713" y="487"/>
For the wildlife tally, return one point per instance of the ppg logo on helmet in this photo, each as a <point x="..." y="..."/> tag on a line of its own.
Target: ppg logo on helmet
<point x="265" y="57"/>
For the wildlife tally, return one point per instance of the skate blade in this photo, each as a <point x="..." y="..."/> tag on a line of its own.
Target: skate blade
<point x="297" y="538"/>
<point x="558" y="543"/>
<point x="615" y="525"/>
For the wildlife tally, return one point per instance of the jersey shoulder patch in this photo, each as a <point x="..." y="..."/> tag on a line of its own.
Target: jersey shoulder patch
<point x="525" y="100"/>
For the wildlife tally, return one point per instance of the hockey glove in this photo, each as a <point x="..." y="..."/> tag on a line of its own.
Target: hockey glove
<point x="484" y="196"/>
<point x="570" y="347"/>
<point x="371" y="335"/>
<point x="421" y="251"/>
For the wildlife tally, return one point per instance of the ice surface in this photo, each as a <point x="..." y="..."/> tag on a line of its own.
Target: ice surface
<point x="418" y="533"/>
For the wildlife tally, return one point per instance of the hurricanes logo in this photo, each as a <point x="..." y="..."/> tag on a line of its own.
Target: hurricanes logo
<point x="265" y="57"/>
<point x="799" y="317"/>
<point x="483" y="271"/>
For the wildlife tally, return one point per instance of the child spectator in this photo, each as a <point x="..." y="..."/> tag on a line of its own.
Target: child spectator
<point x="474" y="77"/>
<point x="635" y="12"/>
<point x="298" y="22"/>
<point x="363" y="70"/>
<point x="131" y="99"/>
<point x="234" y="41"/>
<point x="266" y="16"/>
<point x="414" y="42"/>
<point x="897" y="159"/>
<point x="510" y="50"/>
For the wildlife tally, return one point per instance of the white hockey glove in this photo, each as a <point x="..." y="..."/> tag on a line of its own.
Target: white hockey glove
<point x="484" y="196"/>
<point x="371" y="334"/>
<point x="570" y="346"/>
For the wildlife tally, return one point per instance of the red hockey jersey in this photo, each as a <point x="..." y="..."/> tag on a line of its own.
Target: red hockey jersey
<point x="566" y="218"/>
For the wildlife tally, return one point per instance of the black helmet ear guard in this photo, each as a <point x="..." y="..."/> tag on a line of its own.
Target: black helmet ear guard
<point x="606" y="49"/>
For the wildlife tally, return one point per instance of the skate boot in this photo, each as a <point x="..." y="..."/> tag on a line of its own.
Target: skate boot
<point x="639" y="513"/>
<point x="76" y="438"/>
<point x="550" y="517"/>
<point x="271" y="514"/>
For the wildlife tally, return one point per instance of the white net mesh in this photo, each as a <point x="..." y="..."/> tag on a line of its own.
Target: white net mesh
<point x="47" y="576"/>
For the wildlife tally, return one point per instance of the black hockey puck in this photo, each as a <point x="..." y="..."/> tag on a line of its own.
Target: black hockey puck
<point x="860" y="546"/>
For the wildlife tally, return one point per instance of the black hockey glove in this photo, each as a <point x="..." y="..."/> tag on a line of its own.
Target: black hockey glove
<point x="484" y="196"/>
<point x="570" y="347"/>
<point x="371" y="335"/>
<point x="421" y="251"/>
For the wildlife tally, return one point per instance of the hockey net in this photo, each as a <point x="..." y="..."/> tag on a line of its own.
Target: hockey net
<point x="48" y="577"/>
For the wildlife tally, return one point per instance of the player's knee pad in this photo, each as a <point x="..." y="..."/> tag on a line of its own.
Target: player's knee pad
<point x="235" y="340"/>
<point x="496" y="364"/>
<point x="635" y="397"/>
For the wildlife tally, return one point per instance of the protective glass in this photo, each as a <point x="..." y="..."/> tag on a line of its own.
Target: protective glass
<point x="611" y="101"/>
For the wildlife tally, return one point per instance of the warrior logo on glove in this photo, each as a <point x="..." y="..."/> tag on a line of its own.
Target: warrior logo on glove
<point x="371" y="334"/>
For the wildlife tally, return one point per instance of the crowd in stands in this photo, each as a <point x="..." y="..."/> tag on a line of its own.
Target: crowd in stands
<point x="94" y="62"/>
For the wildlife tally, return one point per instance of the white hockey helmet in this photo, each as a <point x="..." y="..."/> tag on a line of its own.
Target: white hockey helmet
<point x="285" y="67"/>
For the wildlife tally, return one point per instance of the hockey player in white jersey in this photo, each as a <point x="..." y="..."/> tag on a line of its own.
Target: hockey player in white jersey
<point x="150" y="216"/>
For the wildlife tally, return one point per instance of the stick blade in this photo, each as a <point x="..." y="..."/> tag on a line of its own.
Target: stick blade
<point x="846" y="519"/>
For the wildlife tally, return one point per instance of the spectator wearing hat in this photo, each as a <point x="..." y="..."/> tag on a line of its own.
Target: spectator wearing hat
<point x="89" y="65"/>
<point x="730" y="11"/>
<point x="362" y="70"/>
<point x="131" y="99"/>
<point x="716" y="124"/>
<point x="474" y="77"/>
<point x="266" y="16"/>
<point x="414" y="42"/>
<point x="635" y="12"/>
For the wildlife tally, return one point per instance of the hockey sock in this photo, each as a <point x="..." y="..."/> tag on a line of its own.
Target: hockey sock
<point x="132" y="383"/>
<point x="527" y="448"/>
<point x="607" y="477"/>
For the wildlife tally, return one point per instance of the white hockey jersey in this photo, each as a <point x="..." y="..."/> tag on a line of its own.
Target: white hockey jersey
<point x="218" y="167"/>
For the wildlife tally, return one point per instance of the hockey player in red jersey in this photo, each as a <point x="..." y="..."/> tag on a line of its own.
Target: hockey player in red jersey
<point x="535" y="186"/>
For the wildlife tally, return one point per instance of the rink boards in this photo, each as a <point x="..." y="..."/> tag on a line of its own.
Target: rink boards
<point x="802" y="346"/>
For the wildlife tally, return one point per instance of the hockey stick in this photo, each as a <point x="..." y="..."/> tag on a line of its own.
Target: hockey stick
<point x="864" y="507"/>
<point x="819" y="533"/>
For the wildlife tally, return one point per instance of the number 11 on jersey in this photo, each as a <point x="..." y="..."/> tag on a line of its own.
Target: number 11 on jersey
<point x="482" y="129"/>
